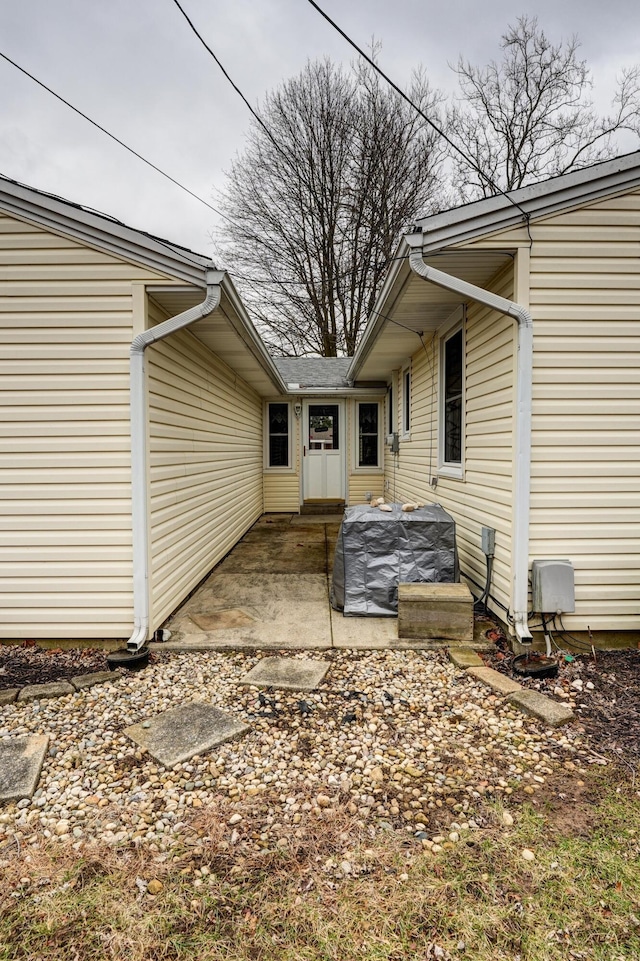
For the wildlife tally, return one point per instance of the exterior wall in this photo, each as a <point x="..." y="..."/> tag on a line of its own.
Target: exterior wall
<point x="205" y="444"/>
<point x="483" y="497"/>
<point x="66" y="322"/>
<point x="282" y="486"/>
<point x="361" y="480"/>
<point x="585" y="298"/>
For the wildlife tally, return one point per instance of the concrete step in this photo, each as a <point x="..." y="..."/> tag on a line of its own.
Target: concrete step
<point x="322" y="505"/>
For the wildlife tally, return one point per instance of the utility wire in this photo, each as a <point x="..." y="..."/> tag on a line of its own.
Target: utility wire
<point x="117" y="139"/>
<point x="256" y="116"/>
<point x="424" y="116"/>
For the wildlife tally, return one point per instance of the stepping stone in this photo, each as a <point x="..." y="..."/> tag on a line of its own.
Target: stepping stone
<point x="286" y="673"/>
<point x="550" y="712"/>
<point x="9" y="695"/>
<point x="463" y="657"/>
<point x="495" y="680"/>
<point x="21" y="760"/>
<point x="37" y="692"/>
<point x="83" y="681"/>
<point x="182" y="732"/>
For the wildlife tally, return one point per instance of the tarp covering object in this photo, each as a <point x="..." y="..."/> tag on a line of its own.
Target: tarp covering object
<point x="377" y="550"/>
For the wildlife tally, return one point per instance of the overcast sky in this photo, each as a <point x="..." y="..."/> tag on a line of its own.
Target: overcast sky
<point x="135" y="67"/>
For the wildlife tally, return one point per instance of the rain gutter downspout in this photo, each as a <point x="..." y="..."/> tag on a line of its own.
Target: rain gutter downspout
<point x="520" y="536"/>
<point x="139" y="465"/>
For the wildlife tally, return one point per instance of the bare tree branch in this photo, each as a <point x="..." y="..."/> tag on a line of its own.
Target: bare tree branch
<point x="318" y="219"/>
<point x="530" y="116"/>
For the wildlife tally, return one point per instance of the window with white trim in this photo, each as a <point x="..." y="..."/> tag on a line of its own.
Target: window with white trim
<point x="451" y="420"/>
<point x="368" y="434"/>
<point x="278" y="435"/>
<point x="406" y="400"/>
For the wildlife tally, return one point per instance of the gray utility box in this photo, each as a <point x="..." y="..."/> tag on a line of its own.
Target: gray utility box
<point x="377" y="550"/>
<point x="553" y="587"/>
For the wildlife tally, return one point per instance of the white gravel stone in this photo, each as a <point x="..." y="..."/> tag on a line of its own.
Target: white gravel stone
<point x="444" y="745"/>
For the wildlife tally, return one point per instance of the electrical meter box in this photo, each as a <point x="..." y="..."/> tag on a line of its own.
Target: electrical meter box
<point x="553" y="587"/>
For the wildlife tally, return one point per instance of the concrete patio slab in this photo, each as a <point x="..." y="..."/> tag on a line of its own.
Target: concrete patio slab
<point x="297" y="554"/>
<point x="286" y="673"/>
<point x="550" y="712"/>
<point x="290" y="612"/>
<point x="223" y="620"/>
<point x="21" y="760"/>
<point x="301" y="520"/>
<point x="182" y="732"/>
<point x="364" y="633"/>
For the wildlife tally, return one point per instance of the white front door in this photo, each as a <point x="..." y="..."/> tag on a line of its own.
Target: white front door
<point x="324" y="444"/>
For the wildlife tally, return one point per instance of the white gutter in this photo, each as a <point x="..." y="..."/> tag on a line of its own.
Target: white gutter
<point x="522" y="484"/>
<point x="139" y="466"/>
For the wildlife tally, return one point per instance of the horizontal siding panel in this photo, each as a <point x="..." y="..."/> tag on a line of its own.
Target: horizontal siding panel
<point x="65" y="329"/>
<point x="281" y="492"/>
<point x="206" y="474"/>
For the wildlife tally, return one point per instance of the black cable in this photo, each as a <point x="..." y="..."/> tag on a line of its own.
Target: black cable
<point x="256" y="116"/>
<point x="434" y="126"/>
<point x="113" y="137"/>
<point x="563" y="632"/>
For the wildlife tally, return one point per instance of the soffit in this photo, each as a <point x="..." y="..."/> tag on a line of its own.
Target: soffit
<point x="416" y="306"/>
<point x="222" y="332"/>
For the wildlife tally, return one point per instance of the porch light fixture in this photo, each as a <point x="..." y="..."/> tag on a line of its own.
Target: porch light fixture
<point x="297" y="408"/>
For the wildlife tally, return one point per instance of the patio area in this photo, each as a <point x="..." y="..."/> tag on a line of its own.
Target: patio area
<point x="271" y="592"/>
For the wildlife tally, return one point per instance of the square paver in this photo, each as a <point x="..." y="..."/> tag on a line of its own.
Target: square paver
<point x="21" y="760"/>
<point x="287" y="673"/>
<point x="182" y="732"/>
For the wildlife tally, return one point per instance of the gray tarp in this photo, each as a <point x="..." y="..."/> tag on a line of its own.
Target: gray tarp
<point x="377" y="550"/>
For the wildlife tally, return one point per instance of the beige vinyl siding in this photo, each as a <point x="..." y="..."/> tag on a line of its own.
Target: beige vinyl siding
<point x="66" y="323"/>
<point x="484" y="496"/>
<point x="205" y="443"/>
<point x="362" y="480"/>
<point x="585" y="293"/>
<point x="281" y="488"/>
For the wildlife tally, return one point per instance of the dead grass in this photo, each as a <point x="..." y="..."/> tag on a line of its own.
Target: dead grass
<point x="478" y="899"/>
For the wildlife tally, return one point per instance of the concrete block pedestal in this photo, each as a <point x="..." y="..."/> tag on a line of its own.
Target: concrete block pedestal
<point x="442" y="611"/>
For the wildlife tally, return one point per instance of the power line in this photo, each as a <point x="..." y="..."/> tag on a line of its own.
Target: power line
<point x="424" y="116"/>
<point x="237" y="89"/>
<point x="116" y="139"/>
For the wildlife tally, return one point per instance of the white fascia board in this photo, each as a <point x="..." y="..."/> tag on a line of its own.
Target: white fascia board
<point x="380" y="310"/>
<point x="250" y="336"/>
<point x="470" y="221"/>
<point x="100" y="231"/>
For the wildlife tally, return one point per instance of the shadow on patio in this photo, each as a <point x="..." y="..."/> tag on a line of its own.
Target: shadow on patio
<point x="271" y="592"/>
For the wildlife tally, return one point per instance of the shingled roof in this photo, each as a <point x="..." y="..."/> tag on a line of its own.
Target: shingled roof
<point x="322" y="372"/>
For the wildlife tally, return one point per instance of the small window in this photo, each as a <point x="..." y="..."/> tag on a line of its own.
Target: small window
<point x="451" y="421"/>
<point x="278" y="417"/>
<point x="390" y="414"/>
<point x="324" y="427"/>
<point x="368" y="435"/>
<point x="406" y="400"/>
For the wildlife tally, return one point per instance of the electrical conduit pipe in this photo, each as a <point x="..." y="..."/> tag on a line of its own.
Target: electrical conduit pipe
<point x="139" y="464"/>
<point x="520" y="532"/>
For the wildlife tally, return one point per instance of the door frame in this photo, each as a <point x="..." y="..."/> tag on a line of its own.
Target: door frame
<point x="343" y="427"/>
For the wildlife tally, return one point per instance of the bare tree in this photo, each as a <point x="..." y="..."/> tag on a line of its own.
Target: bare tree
<point x="318" y="198"/>
<point x="530" y="116"/>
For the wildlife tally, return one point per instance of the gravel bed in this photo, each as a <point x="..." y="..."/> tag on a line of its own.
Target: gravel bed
<point x="398" y="739"/>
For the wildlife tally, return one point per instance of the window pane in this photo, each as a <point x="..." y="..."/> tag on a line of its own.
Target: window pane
<point x="390" y="408"/>
<point x="323" y="427"/>
<point x="278" y="435"/>
<point x="406" y="402"/>
<point x="453" y="375"/>
<point x="368" y="435"/>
